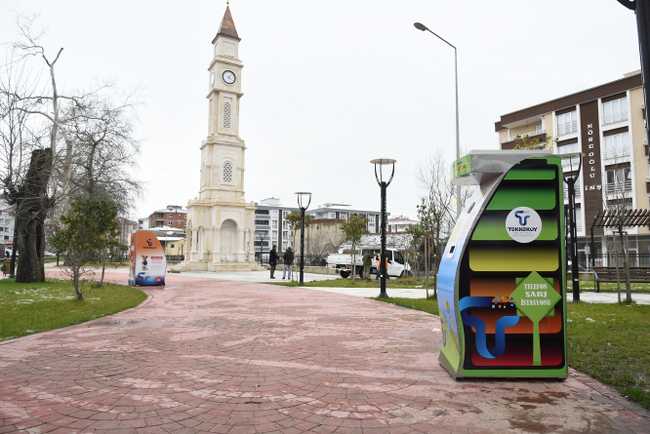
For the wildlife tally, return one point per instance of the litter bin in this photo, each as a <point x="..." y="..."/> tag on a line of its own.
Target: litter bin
<point x="501" y="281"/>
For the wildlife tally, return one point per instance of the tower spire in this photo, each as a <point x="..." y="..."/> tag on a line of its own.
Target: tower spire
<point x="227" y="27"/>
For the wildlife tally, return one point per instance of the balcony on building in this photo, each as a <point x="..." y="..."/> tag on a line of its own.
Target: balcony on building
<point x="618" y="180"/>
<point x="526" y="134"/>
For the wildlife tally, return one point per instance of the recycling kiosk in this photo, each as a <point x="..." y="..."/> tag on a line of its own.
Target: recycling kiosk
<point x="147" y="257"/>
<point x="501" y="281"/>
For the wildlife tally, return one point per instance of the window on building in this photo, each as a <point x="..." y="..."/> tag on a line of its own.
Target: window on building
<point x="568" y="148"/>
<point x="616" y="146"/>
<point x="6" y="237"/>
<point x="262" y="222"/>
<point x="227" y="114"/>
<point x="227" y="172"/>
<point x="274" y="224"/>
<point x="615" y="110"/>
<point x="567" y="123"/>
<point x="580" y="222"/>
<point x="619" y="178"/>
<point x="625" y="203"/>
<point x="262" y="211"/>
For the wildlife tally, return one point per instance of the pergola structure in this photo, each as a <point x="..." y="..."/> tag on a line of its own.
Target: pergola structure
<point x="618" y="219"/>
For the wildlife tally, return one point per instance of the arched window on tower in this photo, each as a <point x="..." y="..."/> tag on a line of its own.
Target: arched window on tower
<point x="227" y="172"/>
<point x="227" y="114"/>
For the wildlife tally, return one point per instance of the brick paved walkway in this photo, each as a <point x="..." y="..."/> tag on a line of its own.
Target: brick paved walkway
<point x="210" y="356"/>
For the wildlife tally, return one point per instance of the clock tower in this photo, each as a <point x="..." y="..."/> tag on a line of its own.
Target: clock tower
<point x="220" y="224"/>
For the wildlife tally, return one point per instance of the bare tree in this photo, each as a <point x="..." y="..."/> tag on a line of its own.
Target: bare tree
<point x="60" y="116"/>
<point x="104" y="151"/>
<point x="618" y="196"/>
<point x="33" y="201"/>
<point x="19" y="136"/>
<point x="354" y="228"/>
<point x="436" y="210"/>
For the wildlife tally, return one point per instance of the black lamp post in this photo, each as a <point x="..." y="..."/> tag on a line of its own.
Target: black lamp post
<point x="642" y="11"/>
<point x="304" y="199"/>
<point x="570" y="178"/>
<point x="383" y="180"/>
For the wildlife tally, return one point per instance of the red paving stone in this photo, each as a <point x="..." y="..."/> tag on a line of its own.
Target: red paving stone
<point x="228" y="357"/>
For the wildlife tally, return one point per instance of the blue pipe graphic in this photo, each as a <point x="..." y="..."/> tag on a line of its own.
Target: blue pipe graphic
<point x="501" y="325"/>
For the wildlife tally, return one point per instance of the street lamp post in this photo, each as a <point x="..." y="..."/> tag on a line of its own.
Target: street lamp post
<point x="304" y="200"/>
<point x="424" y="28"/>
<point x="642" y="11"/>
<point x="380" y="163"/>
<point x="570" y="178"/>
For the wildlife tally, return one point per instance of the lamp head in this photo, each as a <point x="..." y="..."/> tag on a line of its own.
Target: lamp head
<point x="304" y="199"/>
<point x="420" y="26"/>
<point x="383" y="164"/>
<point x="572" y="162"/>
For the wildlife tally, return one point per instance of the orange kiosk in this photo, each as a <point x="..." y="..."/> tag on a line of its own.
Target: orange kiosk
<point x="148" y="263"/>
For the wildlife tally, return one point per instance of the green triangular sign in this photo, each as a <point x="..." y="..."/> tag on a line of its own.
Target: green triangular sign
<point x="535" y="297"/>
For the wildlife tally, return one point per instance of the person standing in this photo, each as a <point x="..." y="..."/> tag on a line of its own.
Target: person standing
<point x="273" y="261"/>
<point x="288" y="264"/>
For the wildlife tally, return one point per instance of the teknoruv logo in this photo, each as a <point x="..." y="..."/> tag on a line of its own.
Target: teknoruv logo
<point x="523" y="224"/>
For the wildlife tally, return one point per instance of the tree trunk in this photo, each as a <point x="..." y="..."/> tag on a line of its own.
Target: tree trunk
<point x="626" y="269"/>
<point x="76" y="283"/>
<point x="354" y="261"/>
<point x="30" y="218"/>
<point x="101" y="279"/>
<point x="618" y="274"/>
<point x="12" y="266"/>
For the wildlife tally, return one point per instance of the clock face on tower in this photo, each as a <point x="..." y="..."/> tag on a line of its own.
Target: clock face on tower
<point x="228" y="76"/>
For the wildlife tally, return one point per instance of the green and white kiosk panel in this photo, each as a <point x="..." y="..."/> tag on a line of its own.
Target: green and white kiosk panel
<point x="501" y="280"/>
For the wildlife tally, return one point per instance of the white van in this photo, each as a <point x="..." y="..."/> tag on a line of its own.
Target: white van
<point x="342" y="261"/>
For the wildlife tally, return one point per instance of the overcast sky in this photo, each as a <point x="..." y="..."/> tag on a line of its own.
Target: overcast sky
<point x="330" y="84"/>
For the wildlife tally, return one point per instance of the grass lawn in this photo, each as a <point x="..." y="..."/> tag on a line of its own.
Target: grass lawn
<point x="401" y="282"/>
<point x="27" y="308"/>
<point x="609" y="342"/>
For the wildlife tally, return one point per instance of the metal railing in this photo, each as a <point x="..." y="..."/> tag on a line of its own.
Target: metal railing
<point x="617" y="187"/>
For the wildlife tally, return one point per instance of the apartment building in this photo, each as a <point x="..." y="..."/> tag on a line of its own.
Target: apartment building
<point x="606" y="124"/>
<point x="7" y="221"/>
<point x="272" y="227"/>
<point x="400" y="224"/>
<point x="174" y="216"/>
<point x="337" y="211"/>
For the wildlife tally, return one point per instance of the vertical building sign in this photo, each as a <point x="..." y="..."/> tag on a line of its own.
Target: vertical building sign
<point x="591" y="172"/>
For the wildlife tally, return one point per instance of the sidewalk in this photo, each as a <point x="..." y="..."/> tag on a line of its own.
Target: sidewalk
<point x="205" y="355"/>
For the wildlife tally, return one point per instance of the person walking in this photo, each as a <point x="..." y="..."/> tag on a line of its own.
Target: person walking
<point x="288" y="264"/>
<point x="273" y="261"/>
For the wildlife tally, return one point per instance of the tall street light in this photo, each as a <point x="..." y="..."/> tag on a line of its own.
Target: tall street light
<point x="574" y="163"/>
<point x="304" y="200"/>
<point x="424" y="28"/>
<point x="383" y="180"/>
<point x="642" y="11"/>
